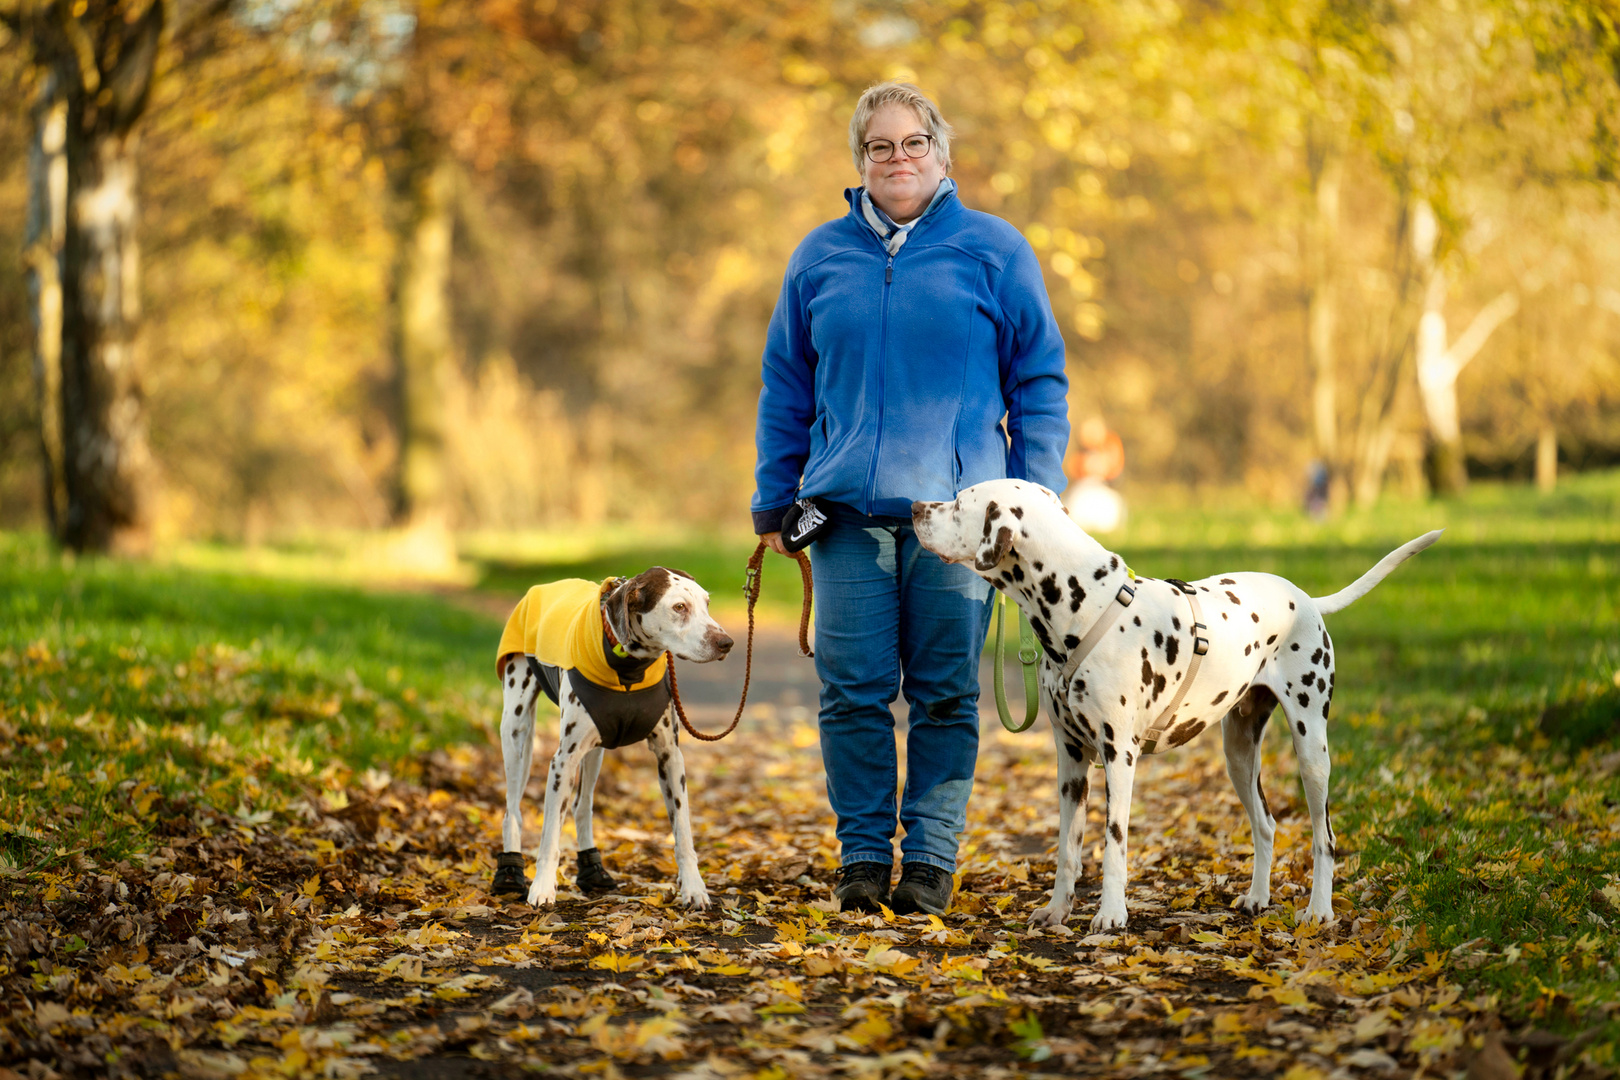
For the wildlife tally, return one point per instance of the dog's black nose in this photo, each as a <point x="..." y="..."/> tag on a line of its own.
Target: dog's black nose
<point x="724" y="643"/>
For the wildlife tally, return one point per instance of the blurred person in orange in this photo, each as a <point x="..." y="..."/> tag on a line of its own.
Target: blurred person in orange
<point x="1094" y="464"/>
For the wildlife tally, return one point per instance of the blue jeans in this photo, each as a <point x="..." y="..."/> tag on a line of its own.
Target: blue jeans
<point x="893" y="617"/>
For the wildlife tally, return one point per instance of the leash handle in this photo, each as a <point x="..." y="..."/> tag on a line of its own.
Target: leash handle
<point x="751" y="582"/>
<point x="1028" y="655"/>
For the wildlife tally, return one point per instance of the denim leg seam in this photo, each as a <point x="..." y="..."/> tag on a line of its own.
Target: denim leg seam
<point x="857" y="661"/>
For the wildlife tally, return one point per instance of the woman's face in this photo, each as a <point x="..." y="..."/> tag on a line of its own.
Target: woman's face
<point x="901" y="186"/>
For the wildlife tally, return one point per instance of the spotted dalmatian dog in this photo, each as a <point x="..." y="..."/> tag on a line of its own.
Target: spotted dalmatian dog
<point x="656" y="611"/>
<point x="1267" y="644"/>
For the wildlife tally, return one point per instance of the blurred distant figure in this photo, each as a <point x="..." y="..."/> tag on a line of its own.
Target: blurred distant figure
<point x="1316" y="489"/>
<point x="1095" y="463"/>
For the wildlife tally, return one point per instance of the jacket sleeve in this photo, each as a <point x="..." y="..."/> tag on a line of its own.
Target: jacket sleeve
<point x="1034" y="385"/>
<point x="786" y="408"/>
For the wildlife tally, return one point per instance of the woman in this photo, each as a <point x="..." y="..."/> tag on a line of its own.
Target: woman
<point x="905" y="331"/>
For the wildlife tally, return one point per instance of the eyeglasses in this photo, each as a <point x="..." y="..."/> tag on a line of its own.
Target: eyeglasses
<point x="913" y="146"/>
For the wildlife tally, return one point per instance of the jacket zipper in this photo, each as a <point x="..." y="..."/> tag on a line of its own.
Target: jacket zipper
<point x="883" y="359"/>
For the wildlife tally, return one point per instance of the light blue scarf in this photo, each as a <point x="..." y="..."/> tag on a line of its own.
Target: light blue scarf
<point x="894" y="236"/>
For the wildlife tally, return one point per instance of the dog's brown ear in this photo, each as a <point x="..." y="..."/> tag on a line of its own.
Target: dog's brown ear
<point x="618" y="609"/>
<point x="991" y="553"/>
<point x="646" y="589"/>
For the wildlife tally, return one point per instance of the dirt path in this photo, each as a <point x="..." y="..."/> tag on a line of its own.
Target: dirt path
<point x="772" y="983"/>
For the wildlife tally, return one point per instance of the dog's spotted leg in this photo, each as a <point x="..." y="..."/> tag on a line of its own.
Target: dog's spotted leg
<point x="1308" y="724"/>
<point x="1073" y="787"/>
<point x="1241" y="732"/>
<point x="590" y="769"/>
<point x="579" y="738"/>
<point x="519" y="691"/>
<point x="672" y="781"/>
<point x="1119" y="773"/>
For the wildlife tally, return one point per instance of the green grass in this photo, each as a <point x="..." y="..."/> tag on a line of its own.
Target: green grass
<point x="120" y="680"/>
<point x="1474" y="732"/>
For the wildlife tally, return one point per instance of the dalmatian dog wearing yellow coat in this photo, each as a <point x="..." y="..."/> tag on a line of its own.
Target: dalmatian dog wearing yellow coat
<point x="597" y="650"/>
<point x="1118" y="650"/>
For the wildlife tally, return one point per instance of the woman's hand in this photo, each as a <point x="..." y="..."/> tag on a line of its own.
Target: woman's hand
<point x="773" y="540"/>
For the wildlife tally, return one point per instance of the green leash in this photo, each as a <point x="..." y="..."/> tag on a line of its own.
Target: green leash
<point x="1029" y="653"/>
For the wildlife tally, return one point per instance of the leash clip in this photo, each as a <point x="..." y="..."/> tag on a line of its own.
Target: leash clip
<point x="751" y="583"/>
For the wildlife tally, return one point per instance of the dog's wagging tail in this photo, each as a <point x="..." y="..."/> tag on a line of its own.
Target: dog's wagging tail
<point x="1365" y="584"/>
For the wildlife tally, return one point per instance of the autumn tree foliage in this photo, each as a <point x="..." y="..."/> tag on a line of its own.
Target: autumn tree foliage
<point x="501" y="265"/>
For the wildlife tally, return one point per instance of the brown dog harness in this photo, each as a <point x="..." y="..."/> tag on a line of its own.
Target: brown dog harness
<point x="1122" y="600"/>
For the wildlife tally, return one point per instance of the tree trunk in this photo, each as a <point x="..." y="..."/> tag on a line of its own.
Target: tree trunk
<point x="1440" y="362"/>
<point x="42" y="257"/>
<point x="422" y="352"/>
<point x="1547" y="457"/>
<point x="1383" y="400"/>
<point x="1321" y="307"/>
<point x="107" y="464"/>
<point x="84" y="265"/>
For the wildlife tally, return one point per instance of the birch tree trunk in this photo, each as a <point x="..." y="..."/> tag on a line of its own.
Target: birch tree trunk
<point x="1383" y="395"/>
<point x="1439" y="363"/>
<point x="42" y="257"/>
<point x="84" y="264"/>
<point x="106" y="464"/>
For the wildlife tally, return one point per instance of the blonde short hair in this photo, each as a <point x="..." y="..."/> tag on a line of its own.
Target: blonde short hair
<point x="898" y="93"/>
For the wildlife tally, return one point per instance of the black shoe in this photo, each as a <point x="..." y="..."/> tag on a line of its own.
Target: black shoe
<point x="509" y="876"/>
<point x="862" y="886"/>
<point x="923" y="887"/>
<point x="591" y="876"/>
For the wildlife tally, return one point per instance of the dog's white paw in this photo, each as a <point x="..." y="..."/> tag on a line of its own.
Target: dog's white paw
<point x="540" y="895"/>
<point x="1049" y="914"/>
<point x="1322" y="913"/>
<point x="1253" y="905"/>
<point x="695" y="897"/>
<point x="1108" y="917"/>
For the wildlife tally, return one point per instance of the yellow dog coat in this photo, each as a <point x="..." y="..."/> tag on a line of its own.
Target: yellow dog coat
<point x="558" y="626"/>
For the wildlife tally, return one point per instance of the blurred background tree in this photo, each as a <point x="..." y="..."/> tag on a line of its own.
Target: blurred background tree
<point x="94" y="65"/>
<point x="498" y="265"/>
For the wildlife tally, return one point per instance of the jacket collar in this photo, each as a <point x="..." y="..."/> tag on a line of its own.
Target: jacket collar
<point x="883" y="227"/>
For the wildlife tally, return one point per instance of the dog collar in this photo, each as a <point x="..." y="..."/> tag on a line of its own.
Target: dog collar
<point x="616" y="647"/>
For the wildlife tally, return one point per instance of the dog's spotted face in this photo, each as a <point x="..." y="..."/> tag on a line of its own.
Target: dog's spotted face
<point x="984" y="523"/>
<point x="662" y="609"/>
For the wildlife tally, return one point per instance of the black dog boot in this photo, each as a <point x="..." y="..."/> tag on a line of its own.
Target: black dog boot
<point x="592" y="876"/>
<point x="509" y="876"/>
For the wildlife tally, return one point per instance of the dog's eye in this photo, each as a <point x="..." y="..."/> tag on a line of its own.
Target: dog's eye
<point x="682" y="609"/>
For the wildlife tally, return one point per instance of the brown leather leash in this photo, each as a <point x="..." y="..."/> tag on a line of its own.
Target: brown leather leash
<point x="751" y="590"/>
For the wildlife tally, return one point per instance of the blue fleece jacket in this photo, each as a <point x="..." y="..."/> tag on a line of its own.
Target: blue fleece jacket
<point x="887" y="377"/>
